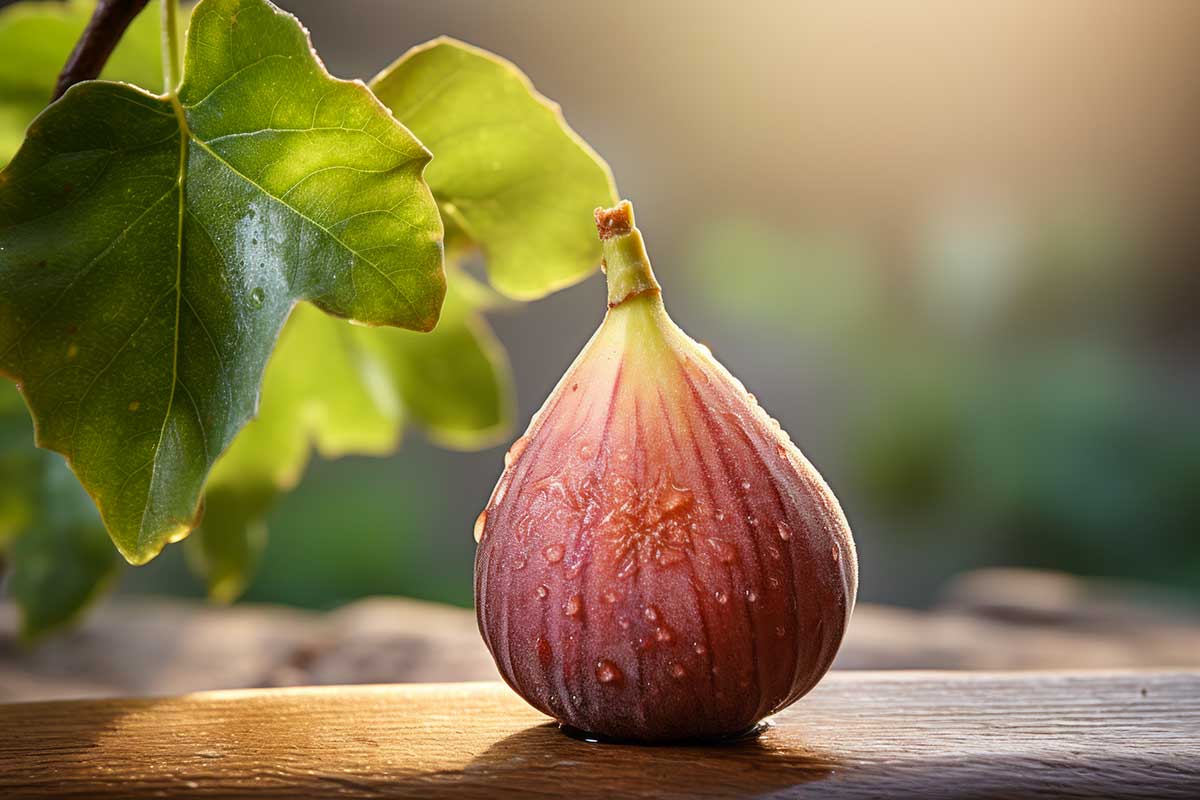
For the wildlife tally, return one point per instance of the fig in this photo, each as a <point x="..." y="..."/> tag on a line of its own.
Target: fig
<point x="658" y="561"/>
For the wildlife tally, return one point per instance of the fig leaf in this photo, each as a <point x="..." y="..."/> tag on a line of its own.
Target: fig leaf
<point x="508" y="172"/>
<point x="151" y="248"/>
<point x="454" y="382"/>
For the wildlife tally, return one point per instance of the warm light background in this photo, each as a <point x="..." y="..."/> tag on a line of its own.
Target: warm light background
<point x="951" y="246"/>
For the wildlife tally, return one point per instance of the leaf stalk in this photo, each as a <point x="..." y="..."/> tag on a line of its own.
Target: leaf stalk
<point x="170" y="47"/>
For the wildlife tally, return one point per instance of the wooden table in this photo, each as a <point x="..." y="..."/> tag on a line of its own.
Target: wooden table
<point x="864" y="734"/>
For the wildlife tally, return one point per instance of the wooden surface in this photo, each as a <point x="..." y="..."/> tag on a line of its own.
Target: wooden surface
<point x="860" y="734"/>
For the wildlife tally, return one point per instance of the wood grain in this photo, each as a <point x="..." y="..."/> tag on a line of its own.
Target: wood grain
<point x="880" y="734"/>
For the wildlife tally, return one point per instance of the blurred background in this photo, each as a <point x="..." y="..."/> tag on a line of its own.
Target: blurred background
<point x="952" y="247"/>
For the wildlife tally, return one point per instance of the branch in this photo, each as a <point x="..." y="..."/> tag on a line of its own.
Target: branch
<point x="99" y="39"/>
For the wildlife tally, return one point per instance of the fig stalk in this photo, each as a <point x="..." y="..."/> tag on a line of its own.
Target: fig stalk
<point x="658" y="561"/>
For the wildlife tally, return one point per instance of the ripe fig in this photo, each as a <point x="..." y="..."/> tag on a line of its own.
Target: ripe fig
<point x="658" y="561"/>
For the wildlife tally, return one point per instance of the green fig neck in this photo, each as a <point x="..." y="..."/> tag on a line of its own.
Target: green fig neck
<point x="625" y="261"/>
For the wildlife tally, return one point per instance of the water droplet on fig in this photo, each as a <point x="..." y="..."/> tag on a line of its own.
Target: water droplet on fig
<point x="785" y="532"/>
<point x="514" y="452"/>
<point x="663" y="634"/>
<point x="543" y="591"/>
<point x="651" y="613"/>
<point x="574" y="605"/>
<point x="544" y="653"/>
<point x="623" y="622"/>
<point x="553" y="553"/>
<point x="608" y="672"/>
<point x="585" y="450"/>
<point x="745" y="484"/>
<point x="480" y="524"/>
<point x="722" y="598"/>
<point x="678" y="670"/>
<point x="779" y="631"/>
<point x="258" y="297"/>
<point x="751" y="595"/>
<point x="673" y="500"/>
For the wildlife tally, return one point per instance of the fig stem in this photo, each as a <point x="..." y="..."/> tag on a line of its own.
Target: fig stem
<point x="625" y="261"/>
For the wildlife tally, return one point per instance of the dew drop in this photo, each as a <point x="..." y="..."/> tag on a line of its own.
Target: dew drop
<point x="553" y="553"/>
<point x="678" y="670"/>
<point x="610" y="596"/>
<point x="651" y="613"/>
<point x="745" y="484"/>
<point x="663" y="634"/>
<point x="785" y="532"/>
<point x="480" y="523"/>
<point x="514" y="452"/>
<point x="585" y="450"/>
<point x="258" y="297"/>
<point x="608" y="672"/>
<point x="722" y="598"/>
<point x="779" y="631"/>
<point x="751" y="595"/>
<point x="674" y="499"/>
<point x="574" y="605"/>
<point x="699" y="649"/>
<point x="544" y="653"/>
<point x="623" y="622"/>
<point x="542" y="591"/>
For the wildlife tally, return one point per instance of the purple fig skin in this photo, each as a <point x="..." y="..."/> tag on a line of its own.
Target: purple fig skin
<point x="658" y="561"/>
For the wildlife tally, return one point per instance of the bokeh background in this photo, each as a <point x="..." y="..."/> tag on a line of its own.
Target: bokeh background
<point x="953" y="247"/>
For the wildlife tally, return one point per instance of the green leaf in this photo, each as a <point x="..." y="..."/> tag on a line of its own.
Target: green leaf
<point x="454" y="382"/>
<point x="20" y="467"/>
<point x="322" y="389"/>
<point x="35" y="40"/>
<point x="508" y="171"/>
<point x="59" y="554"/>
<point x="195" y="224"/>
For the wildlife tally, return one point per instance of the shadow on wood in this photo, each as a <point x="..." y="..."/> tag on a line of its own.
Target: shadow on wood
<point x="543" y="760"/>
